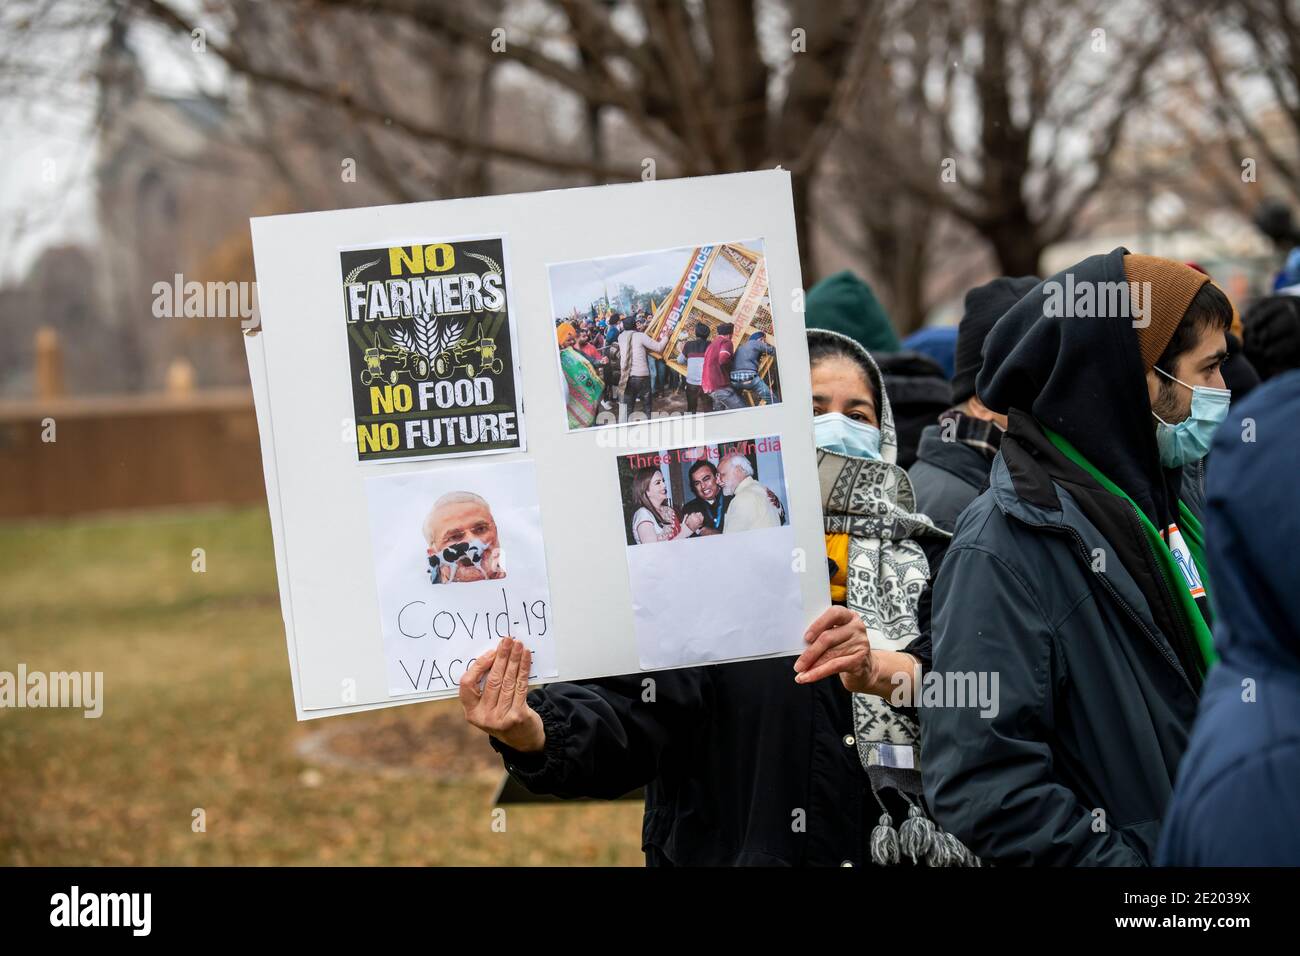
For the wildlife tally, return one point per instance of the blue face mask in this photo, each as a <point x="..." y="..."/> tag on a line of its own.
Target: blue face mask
<point x="1189" y="440"/>
<point x="841" y="434"/>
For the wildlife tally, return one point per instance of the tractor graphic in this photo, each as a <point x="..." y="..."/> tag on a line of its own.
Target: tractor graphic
<point x="479" y="355"/>
<point x="390" y="364"/>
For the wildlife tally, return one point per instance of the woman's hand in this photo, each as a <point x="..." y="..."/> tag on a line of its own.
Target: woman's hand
<point x="837" y="644"/>
<point x="501" y="708"/>
<point x="694" y="520"/>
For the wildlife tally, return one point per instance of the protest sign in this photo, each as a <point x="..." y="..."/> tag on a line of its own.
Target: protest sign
<point x="400" y="559"/>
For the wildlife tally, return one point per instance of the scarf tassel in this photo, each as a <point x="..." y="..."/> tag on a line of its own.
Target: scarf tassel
<point x="884" y="842"/>
<point x="919" y="838"/>
<point x="916" y="835"/>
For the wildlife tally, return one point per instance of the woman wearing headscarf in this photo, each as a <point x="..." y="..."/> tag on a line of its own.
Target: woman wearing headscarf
<point x="750" y="763"/>
<point x="883" y="556"/>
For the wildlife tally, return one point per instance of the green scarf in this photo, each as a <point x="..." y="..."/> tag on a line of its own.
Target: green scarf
<point x="1193" y="535"/>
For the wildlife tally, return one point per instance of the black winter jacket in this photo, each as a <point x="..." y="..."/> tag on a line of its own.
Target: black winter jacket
<point x="1093" y="709"/>
<point x="741" y="765"/>
<point x="946" y="477"/>
<point x="1051" y="584"/>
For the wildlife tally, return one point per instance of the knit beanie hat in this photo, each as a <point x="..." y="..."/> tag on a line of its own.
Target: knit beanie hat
<point x="985" y="304"/>
<point x="1173" y="287"/>
<point x="845" y="304"/>
<point x="1272" y="340"/>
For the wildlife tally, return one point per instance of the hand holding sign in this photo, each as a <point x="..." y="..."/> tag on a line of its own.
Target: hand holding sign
<point x="837" y="644"/>
<point x="501" y="708"/>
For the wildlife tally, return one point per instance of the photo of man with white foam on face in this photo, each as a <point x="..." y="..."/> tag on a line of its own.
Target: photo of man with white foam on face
<point x="441" y="556"/>
<point x="462" y="539"/>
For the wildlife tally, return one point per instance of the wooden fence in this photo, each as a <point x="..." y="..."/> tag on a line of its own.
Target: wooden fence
<point x="66" y="456"/>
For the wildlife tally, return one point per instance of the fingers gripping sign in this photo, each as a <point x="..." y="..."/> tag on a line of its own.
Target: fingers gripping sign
<point x="500" y="707"/>
<point x="837" y="644"/>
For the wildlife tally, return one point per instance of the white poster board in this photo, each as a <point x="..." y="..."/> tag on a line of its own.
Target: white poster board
<point x="327" y="523"/>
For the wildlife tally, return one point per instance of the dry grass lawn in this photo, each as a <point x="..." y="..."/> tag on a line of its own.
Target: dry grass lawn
<point x="198" y="713"/>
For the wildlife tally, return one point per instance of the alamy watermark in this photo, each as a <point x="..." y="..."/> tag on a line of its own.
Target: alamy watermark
<point x="130" y="910"/>
<point x="77" y="690"/>
<point x="179" y="299"/>
<point x="949" y="689"/>
<point x="1086" y="299"/>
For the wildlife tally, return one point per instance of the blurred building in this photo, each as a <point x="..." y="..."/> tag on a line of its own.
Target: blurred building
<point x="175" y="180"/>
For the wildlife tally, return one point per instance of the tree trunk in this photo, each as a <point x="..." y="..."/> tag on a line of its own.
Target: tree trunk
<point x="1017" y="247"/>
<point x="908" y="312"/>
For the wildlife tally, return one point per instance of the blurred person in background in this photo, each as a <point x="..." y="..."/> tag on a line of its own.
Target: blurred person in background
<point x="1239" y="374"/>
<point x="920" y="394"/>
<point x="1236" y="803"/>
<point x="1272" y="335"/>
<point x="938" y="343"/>
<point x="954" y="456"/>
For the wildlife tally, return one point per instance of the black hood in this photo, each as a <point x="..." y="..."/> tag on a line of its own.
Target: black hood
<point x="1083" y="378"/>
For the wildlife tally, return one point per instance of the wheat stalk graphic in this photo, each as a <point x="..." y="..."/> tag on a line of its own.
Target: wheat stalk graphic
<point x="352" y="276"/>
<point x="487" y="260"/>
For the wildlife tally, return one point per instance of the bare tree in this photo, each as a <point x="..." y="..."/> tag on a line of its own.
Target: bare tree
<point x="696" y="86"/>
<point x="1006" y="114"/>
<point x="1246" y="82"/>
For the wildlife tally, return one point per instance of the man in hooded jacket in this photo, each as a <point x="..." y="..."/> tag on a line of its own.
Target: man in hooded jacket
<point x="1077" y="579"/>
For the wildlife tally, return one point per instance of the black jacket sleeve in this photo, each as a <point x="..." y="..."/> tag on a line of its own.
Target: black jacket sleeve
<point x="607" y="737"/>
<point x="922" y="646"/>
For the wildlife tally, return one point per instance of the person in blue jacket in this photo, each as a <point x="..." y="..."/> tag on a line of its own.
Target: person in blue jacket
<point x="1237" y="797"/>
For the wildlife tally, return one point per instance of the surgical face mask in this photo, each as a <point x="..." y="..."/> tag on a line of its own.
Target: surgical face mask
<point x="1189" y="440"/>
<point x="474" y="550"/>
<point x="841" y="434"/>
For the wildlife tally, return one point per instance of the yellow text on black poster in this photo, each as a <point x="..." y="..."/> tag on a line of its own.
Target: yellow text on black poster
<point x="430" y="350"/>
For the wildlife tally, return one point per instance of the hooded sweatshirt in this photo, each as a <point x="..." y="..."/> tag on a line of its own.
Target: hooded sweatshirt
<point x="1050" y="366"/>
<point x="1052" y="584"/>
<point x="1078" y="369"/>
